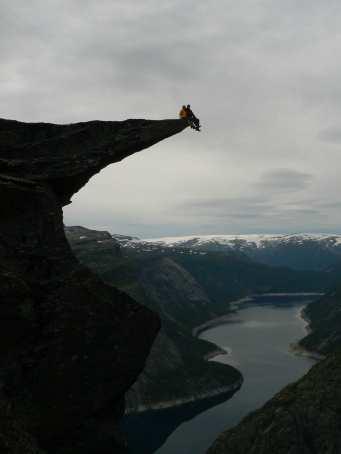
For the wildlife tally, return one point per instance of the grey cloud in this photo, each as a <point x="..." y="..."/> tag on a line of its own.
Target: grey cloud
<point x="263" y="208"/>
<point x="262" y="76"/>
<point x="219" y="203"/>
<point x="332" y="135"/>
<point x="284" y="180"/>
<point x="329" y="205"/>
<point x="247" y="207"/>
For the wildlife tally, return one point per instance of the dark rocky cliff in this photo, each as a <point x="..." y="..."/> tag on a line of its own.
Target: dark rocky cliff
<point x="67" y="354"/>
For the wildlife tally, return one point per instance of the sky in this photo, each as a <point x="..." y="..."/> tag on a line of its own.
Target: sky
<point x="263" y="76"/>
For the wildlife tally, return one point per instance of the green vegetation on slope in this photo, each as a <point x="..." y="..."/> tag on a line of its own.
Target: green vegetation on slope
<point x="227" y="277"/>
<point x="186" y="290"/>
<point x="324" y="318"/>
<point x="303" y="418"/>
<point x="176" y="370"/>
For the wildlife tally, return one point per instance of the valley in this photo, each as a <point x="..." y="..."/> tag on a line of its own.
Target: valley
<point x="200" y="291"/>
<point x="257" y="339"/>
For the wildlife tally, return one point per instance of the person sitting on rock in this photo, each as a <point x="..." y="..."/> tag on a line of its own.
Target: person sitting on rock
<point x="183" y="114"/>
<point x="193" y="121"/>
<point x="187" y="114"/>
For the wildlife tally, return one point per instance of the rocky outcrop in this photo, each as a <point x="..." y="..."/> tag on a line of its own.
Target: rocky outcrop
<point x="66" y="156"/>
<point x="67" y="355"/>
<point x="303" y="418"/>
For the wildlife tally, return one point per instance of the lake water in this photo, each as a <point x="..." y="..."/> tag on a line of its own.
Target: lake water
<point x="258" y="337"/>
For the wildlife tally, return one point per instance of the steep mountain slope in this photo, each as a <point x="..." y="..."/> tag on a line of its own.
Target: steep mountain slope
<point x="186" y="289"/>
<point x="226" y="277"/>
<point x="176" y="370"/>
<point x="303" y="418"/>
<point x="299" y="251"/>
<point x="324" y="318"/>
<point x="67" y="356"/>
<point x="229" y="275"/>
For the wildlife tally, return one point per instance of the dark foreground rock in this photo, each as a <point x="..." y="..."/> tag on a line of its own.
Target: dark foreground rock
<point x="303" y="418"/>
<point x="71" y="346"/>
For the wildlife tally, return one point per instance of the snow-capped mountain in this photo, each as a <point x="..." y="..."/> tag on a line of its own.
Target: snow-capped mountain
<point x="299" y="251"/>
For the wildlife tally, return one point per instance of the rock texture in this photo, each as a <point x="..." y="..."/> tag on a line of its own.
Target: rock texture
<point x="67" y="156"/>
<point x="303" y="418"/>
<point x="67" y="354"/>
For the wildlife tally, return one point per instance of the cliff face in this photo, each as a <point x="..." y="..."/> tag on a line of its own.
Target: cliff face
<point x="177" y="377"/>
<point x="303" y="418"/>
<point x="66" y="156"/>
<point x="67" y="355"/>
<point x="177" y="370"/>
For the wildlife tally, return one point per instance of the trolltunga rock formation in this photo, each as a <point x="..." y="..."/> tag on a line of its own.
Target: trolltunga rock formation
<point x="70" y="346"/>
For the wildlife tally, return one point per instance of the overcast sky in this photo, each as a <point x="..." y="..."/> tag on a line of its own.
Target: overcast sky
<point x="264" y="76"/>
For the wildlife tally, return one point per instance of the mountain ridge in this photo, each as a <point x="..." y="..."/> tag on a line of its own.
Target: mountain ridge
<point x="297" y="251"/>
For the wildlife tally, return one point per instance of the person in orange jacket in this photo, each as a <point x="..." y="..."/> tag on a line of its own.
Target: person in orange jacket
<point x="187" y="114"/>
<point x="184" y="113"/>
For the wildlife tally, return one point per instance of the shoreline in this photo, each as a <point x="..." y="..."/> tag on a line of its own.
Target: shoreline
<point x="291" y="294"/>
<point x="168" y="404"/>
<point x="211" y="324"/>
<point x="302" y="316"/>
<point x="295" y="347"/>
<point x="217" y="352"/>
<point x="236" y="304"/>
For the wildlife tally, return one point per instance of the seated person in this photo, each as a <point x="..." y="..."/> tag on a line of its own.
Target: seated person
<point x="193" y="120"/>
<point x="187" y="114"/>
<point x="183" y="113"/>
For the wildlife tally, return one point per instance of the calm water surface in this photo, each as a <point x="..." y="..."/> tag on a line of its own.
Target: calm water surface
<point x="258" y="338"/>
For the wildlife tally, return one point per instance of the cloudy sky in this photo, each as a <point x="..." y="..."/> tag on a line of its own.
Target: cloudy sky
<point x="264" y="76"/>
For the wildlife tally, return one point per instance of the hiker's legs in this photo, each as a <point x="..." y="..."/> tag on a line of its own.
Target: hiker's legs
<point x="196" y="123"/>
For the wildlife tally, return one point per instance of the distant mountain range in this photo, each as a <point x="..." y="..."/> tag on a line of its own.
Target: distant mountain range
<point x="297" y="251"/>
<point x="191" y="280"/>
<point x="176" y="371"/>
<point x="186" y="286"/>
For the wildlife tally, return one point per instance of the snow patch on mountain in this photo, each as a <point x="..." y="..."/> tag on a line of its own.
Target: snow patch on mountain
<point x="233" y="241"/>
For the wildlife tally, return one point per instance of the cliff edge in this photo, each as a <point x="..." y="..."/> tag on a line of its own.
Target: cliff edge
<point x="71" y="346"/>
